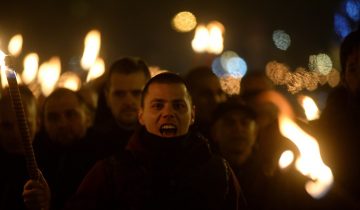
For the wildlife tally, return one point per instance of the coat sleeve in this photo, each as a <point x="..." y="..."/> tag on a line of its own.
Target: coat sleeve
<point x="94" y="192"/>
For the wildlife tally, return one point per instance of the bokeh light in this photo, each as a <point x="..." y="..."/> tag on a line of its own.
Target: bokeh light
<point x="352" y="8"/>
<point x="92" y="44"/>
<point x="69" y="80"/>
<point x="233" y="64"/>
<point x="15" y="45"/>
<point x="334" y="78"/>
<point x="96" y="70"/>
<point x="31" y="65"/>
<point x="184" y="21"/>
<point x="342" y="25"/>
<point x="320" y="63"/>
<point x="201" y="39"/>
<point x="217" y="68"/>
<point x="230" y="85"/>
<point x="277" y="72"/>
<point x="281" y="39"/>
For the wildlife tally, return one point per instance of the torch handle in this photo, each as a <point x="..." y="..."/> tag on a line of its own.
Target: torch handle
<point x="23" y="127"/>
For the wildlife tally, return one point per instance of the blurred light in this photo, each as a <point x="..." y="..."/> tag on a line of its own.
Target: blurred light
<point x="281" y="39"/>
<point x="216" y="41"/>
<point x="320" y="63"/>
<point x="333" y="78"/>
<point x="48" y="75"/>
<point x="277" y="72"/>
<point x="69" y="80"/>
<point x="233" y="64"/>
<point x="92" y="47"/>
<point x="286" y="158"/>
<point x="342" y="26"/>
<point x="311" y="109"/>
<point x="3" y="68"/>
<point x="15" y="45"/>
<point x="201" y="39"/>
<point x="352" y="8"/>
<point x="236" y="67"/>
<point x="155" y="70"/>
<point x="96" y="70"/>
<point x="309" y="162"/>
<point x="217" y="68"/>
<point x="31" y="65"/>
<point x="230" y="85"/>
<point x="184" y="21"/>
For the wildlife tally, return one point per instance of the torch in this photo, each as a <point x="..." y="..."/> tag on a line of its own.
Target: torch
<point x="21" y="121"/>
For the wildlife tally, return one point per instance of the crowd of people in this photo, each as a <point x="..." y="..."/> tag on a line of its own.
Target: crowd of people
<point x="175" y="142"/>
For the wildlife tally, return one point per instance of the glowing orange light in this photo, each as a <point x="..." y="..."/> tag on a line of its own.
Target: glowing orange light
<point x="3" y="67"/>
<point x="96" y="70"/>
<point x="49" y="73"/>
<point x="31" y="65"/>
<point x="201" y="39"/>
<point x="69" y="80"/>
<point x="286" y="158"/>
<point x="92" y="47"/>
<point x="155" y="70"/>
<point x="312" y="112"/>
<point x="184" y="21"/>
<point x="15" y="45"/>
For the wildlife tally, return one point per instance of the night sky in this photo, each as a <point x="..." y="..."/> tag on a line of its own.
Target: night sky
<point x="142" y="28"/>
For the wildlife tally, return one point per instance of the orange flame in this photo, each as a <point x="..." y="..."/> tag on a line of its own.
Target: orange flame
<point x="69" y="80"/>
<point x="309" y="162"/>
<point x="31" y="65"/>
<point x="92" y="47"/>
<point x="15" y="45"/>
<point x="49" y="73"/>
<point x="311" y="110"/>
<point x="96" y="70"/>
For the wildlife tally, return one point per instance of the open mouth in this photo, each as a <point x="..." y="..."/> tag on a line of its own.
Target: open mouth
<point x="168" y="130"/>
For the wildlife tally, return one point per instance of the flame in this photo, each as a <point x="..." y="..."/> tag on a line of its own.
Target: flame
<point x="209" y="39"/>
<point x="215" y="44"/>
<point x="309" y="162"/>
<point x="49" y="73"/>
<point x="286" y="158"/>
<point x="201" y="39"/>
<point x="311" y="110"/>
<point x="3" y="68"/>
<point x="155" y="70"/>
<point x="92" y="47"/>
<point x="69" y="80"/>
<point x="15" y="45"/>
<point x="184" y="21"/>
<point x="31" y="65"/>
<point x="96" y="70"/>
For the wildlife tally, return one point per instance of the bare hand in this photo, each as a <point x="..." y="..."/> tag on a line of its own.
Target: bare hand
<point x="36" y="194"/>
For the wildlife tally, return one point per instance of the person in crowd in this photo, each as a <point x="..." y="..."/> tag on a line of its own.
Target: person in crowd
<point x="62" y="145"/>
<point x="14" y="173"/>
<point x="165" y="165"/>
<point x="205" y="89"/>
<point x="119" y="103"/>
<point x="339" y="126"/>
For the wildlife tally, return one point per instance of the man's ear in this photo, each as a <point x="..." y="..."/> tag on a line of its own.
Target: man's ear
<point x="140" y="116"/>
<point x="192" y="115"/>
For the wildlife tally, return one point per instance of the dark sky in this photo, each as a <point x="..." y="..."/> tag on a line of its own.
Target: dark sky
<point x="142" y="28"/>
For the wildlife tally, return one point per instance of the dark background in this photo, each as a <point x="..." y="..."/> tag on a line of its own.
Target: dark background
<point x="142" y="28"/>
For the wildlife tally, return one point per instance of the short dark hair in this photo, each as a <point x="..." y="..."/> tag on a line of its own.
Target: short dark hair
<point x="164" y="78"/>
<point x="197" y="73"/>
<point x="348" y="46"/>
<point x="128" y="65"/>
<point x="233" y="105"/>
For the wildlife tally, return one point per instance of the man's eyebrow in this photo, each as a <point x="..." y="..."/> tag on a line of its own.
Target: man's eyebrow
<point x="157" y="100"/>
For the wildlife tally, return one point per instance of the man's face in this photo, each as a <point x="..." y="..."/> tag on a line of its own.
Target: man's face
<point x="352" y="72"/>
<point x="206" y="95"/>
<point x="167" y="110"/>
<point x="65" y="119"/>
<point x="235" y="134"/>
<point x="123" y="97"/>
<point x="10" y="137"/>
